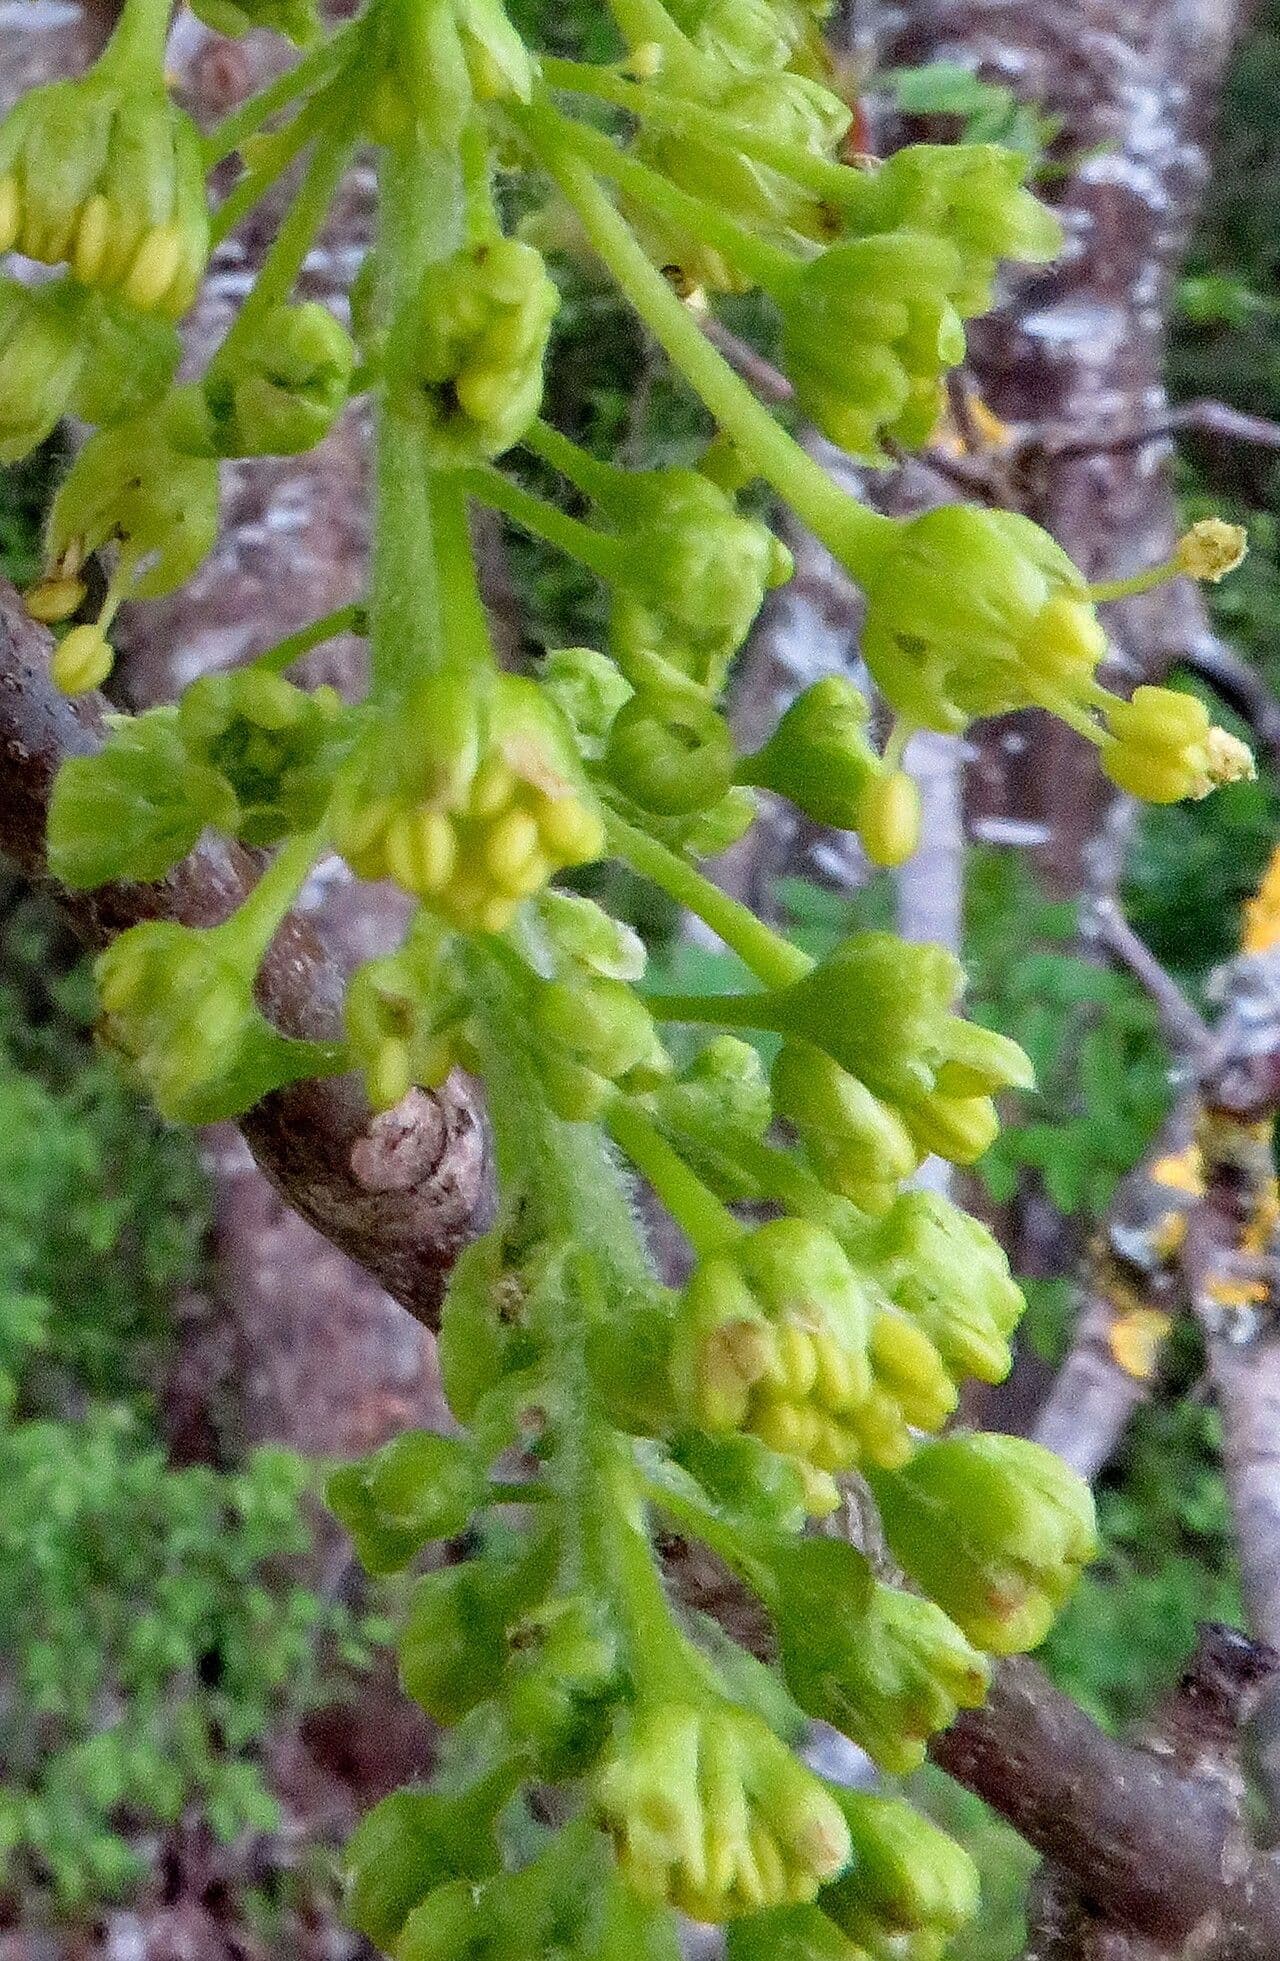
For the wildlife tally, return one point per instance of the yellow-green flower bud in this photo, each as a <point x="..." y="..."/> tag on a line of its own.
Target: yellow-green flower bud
<point x="297" y="20"/>
<point x="772" y="1337"/>
<point x="881" y="1008"/>
<point x="418" y="1487"/>
<point x="400" y="1028"/>
<point x="995" y="1529"/>
<point x="105" y="175"/>
<point x="480" y="803"/>
<point x="1163" y="747"/>
<point x="82" y="660"/>
<point x="484" y="320"/>
<point x="282" y="393"/>
<point x="178" y="1007"/>
<point x="274" y="745"/>
<point x="408" y="1846"/>
<point x="970" y="194"/>
<point x="868" y="332"/>
<point x="128" y="487"/>
<point x="976" y="612"/>
<point x="887" y="1674"/>
<point x="710" y="1813"/>
<point x="453" y="1645"/>
<point x="583" y="935"/>
<point x="589" y="691"/>
<point x="596" y="1033"/>
<point x="130" y="361"/>
<point x="797" y="110"/>
<point x="859" y="1146"/>
<point x="435" y="58"/>
<point x="819" y="755"/>
<point x="42" y="350"/>
<point x="909" y="1882"/>
<point x="563" y="1682"/>
<point x="889" y="818"/>
<point x="670" y="754"/>
<point x="693" y="576"/>
<point x="951" y="1276"/>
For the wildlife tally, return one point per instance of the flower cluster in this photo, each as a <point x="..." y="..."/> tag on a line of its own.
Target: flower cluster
<point x="829" y="1312"/>
<point x="104" y="175"/>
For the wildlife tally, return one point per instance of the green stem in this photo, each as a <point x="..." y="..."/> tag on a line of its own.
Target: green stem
<point x="421" y="217"/>
<point x="601" y="554"/>
<point x="858" y="537"/>
<point x="683" y="116"/>
<point x="705" y="1222"/>
<point x="346" y="619"/>
<point x="139" y="40"/>
<point x="711" y="1010"/>
<point x="312" y="72"/>
<point x="464" y="622"/>
<point x="768" y="265"/>
<point x="1155" y="575"/>
<point x="253" y="926"/>
<point x="294" y="239"/>
<point x="771" y="958"/>
<point x="595" y="479"/>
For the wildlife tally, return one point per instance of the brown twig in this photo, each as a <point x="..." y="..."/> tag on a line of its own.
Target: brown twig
<point x="399" y="1193"/>
<point x="1184" y="1027"/>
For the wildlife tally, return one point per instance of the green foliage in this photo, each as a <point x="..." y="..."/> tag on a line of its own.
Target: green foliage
<point x="1092" y="1034"/>
<point x="145" y="1616"/>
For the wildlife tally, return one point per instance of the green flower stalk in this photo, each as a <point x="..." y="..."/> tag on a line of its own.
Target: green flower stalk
<point x="712" y="1814"/>
<point x="105" y="175"/>
<point x="995" y="1529"/>
<point x="297" y="20"/>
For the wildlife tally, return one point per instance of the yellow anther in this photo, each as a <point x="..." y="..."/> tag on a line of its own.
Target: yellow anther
<point x="492" y="789"/>
<point x="1227" y="760"/>
<point x="53" y="600"/>
<point x="1211" y="549"/>
<point x="10" y="213"/>
<point x="573" y="834"/>
<point x="799" y="1360"/>
<point x="835" y="1383"/>
<point x="154" y="269"/>
<point x="509" y="846"/>
<point x="391" y="1076"/>
<point x="82" y="660"/>
<point x="93" y="237"/>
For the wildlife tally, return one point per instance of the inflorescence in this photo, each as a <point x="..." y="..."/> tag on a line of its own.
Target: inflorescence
<point x="828" y="1331"/>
